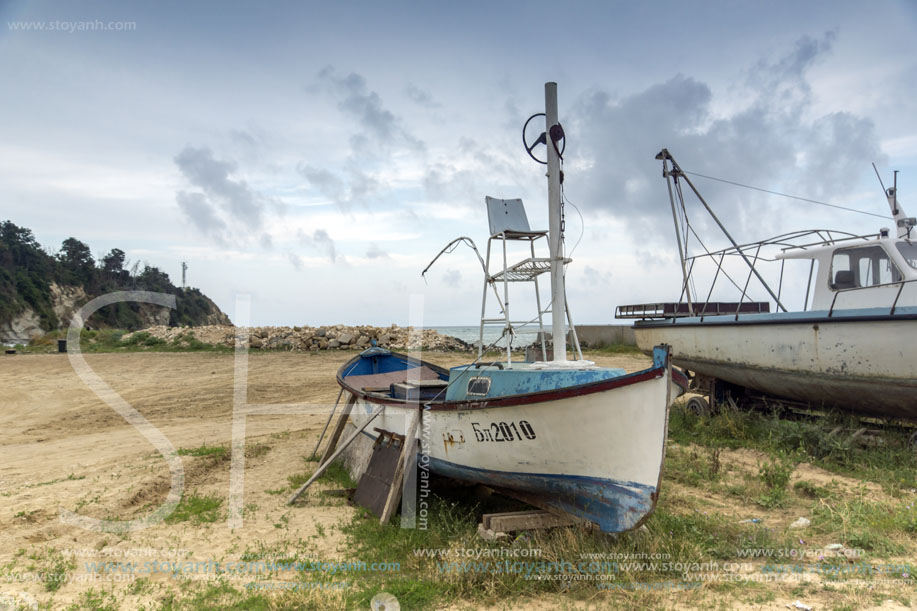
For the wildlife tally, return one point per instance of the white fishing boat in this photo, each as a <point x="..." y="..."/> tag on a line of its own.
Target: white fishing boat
<point x="566" y="435"/>
<point x="851" y="345"/>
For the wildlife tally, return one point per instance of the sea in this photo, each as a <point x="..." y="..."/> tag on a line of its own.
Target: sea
<point x="491" y="334"/>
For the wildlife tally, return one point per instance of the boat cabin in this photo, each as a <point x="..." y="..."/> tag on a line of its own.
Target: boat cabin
<point x="878" y="272"/>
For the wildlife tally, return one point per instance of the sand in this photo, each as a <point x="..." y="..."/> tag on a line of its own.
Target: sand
<point x="63" y="448"/>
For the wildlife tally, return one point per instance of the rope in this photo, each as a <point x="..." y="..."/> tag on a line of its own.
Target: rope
<point x="802" y="199"/>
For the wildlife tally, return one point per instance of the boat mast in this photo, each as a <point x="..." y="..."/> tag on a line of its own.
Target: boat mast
<point x="555" y="235"/>
<point x="682" y="251"/>
<point x="901" y="220"/>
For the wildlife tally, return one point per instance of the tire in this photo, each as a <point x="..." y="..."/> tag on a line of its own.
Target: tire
<point x="698" y="406"/>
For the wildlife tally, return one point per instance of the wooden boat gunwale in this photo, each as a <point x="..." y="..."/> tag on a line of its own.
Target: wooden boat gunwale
<point x="517" y="400"/>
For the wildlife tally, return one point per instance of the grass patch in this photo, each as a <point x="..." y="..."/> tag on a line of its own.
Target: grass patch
<point x="256" y="450"/>
<point x="112" y="340"/>
<point x="693" y="467"/>
<point x="220" y="595"/>
<point x="813" y="491"/>
<point x="892" y="464"/>
<point x="205" y="450"/>
<point x="53" y="565"/>
<point x="336" y="473"/>
<point x="614" y="349"/>
<point x="775" y="475"/>
<point x="428" y="575"/>
<point x="879" y="527"/>
<point x="197" y="509"/>
<point x="97" y="600"/>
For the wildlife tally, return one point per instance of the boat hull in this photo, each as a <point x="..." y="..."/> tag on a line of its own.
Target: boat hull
<point x="594" y="451"/>
<point x="863" y="364"/>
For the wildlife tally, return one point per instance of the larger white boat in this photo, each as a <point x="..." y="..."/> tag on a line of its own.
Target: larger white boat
<point x="565" y="435"/>
<point x="852" y="345"/>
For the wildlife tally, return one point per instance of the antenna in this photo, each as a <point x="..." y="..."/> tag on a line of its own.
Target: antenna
<point x="895" y="192"/>
<point x="903" y="222"/>
<point x="879" y="177"/>
<point x="184" y="269"/>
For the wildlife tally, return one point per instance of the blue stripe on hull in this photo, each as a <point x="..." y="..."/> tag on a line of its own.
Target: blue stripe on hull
<point x="614" y="506"/>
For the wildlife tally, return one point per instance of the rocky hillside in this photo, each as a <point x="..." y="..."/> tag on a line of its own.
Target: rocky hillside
<point x="336" y="337"/>
<point x="39" y="292"/>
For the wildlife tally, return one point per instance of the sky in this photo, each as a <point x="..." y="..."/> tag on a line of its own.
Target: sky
<point x="316" y="156"/>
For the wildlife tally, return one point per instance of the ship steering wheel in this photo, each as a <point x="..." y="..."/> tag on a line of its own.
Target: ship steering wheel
<point x="557" y="135"/>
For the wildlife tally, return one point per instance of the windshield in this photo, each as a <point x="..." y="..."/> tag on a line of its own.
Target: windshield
<point x="908" y="250"/>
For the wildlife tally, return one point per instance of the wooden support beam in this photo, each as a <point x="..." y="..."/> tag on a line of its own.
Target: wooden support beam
<point x="339" y="429"/>
<point x="327" y="463"/>
<point x="327" y="422"/>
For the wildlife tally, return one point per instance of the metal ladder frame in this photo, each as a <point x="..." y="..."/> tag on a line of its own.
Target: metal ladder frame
<point x="526" y="270"/>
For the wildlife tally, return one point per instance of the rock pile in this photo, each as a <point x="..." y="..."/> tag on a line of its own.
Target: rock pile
<point x="335" y="337"/>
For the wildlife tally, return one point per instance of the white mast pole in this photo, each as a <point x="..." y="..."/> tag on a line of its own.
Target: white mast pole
<point x="558" y="302"/>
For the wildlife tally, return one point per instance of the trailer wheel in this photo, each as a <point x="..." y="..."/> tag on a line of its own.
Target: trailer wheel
<point x="912" y="441"/>
<point x="698" y="406"/>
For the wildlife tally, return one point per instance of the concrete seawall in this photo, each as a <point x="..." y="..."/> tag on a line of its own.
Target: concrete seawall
<point x="596" y="336"/>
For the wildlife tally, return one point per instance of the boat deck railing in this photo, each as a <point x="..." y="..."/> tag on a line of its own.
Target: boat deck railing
<point x="894" y="305"/>
<point x="786" y="242"/>
<point x="754" y="253"/>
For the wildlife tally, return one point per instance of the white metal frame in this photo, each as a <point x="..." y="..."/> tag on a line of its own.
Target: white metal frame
<point x="526" y="270"/>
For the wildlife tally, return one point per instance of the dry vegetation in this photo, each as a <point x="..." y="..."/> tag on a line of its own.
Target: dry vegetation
<point x="733" y="482"/>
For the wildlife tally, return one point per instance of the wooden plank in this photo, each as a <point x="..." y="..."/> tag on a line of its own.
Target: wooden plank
<point x="529" y="520"/>
<point x="539" y="502"/>
<point x="391" y="503"/>
<point x="376" y="481"/>
<point x="485" y="519"/>
<point x="339" y="429"/>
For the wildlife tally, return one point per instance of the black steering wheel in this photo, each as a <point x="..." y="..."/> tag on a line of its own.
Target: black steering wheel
<point x="557" y="135"/>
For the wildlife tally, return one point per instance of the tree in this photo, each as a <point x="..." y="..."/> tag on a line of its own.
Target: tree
<point x="154" y="279"/>
<point x="113" y="267"/>
<point x="77" y="259"/>
<point x="113" y="262"/>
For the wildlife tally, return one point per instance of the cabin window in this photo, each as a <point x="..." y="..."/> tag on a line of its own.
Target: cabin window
<point x="861" y="267"/>
<point x="909" y="252"/>
<point x="478" y="386"/>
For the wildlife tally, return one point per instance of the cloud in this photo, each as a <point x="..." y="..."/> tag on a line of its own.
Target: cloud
<point x="242" y="138"/>
<point x="380" y="125"/>
<point x="319" y="240"/>
<point x="381" y="134"/>
<point x="224" y="208"/>
<point x="452" y="278"/>
<point x="295" y="260"/>
<point x="776" y="139"/>
<point x="212" y="176"/>
<point x="356" y="189"/>
<point x="322" y="239"/>
<point x="472" y="170"/>
<point x="202" y="214"/>
<point x="375" y="252"/>
<point x="595" y="279"/>
<point x="421" y="97"/>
